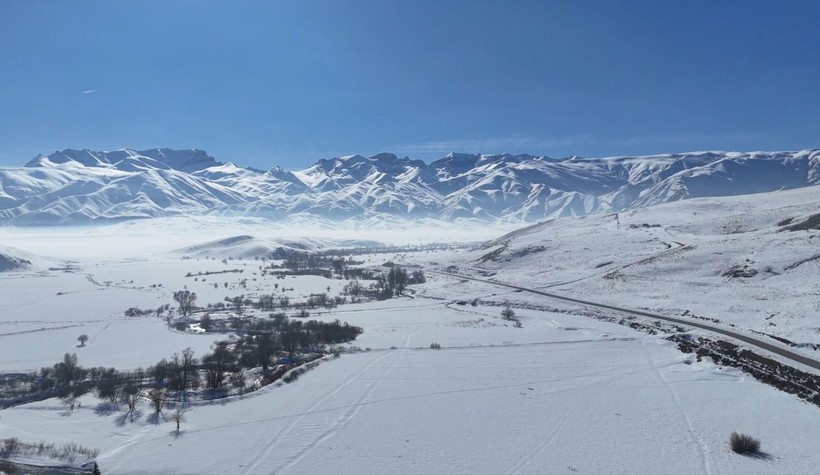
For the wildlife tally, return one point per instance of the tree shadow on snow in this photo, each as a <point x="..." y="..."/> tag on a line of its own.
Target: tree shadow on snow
<point x="106" y="408"/>
<point x="126" y="418"/>
<point x="155" y="418"/>
<point x="758" y="455"/>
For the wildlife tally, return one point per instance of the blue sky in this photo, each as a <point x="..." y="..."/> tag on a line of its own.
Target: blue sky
<point x="285" y="83"/>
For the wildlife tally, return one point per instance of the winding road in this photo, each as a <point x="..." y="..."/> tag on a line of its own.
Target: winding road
<point x="778" y="350"/>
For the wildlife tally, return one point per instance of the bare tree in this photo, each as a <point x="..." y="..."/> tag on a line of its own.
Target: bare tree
<point x="216" y="365"/>
<point x="237" y="304"/>
<point x="266" y="346"/>
<point x="188" y="359"/>
<point x="68" y="371"/>
<point x="509" y="314"/>
<point x="159" y="371"/>
<point x="339" y="266"/>
<point x="322" y="300"/>
<point x="238" y="381"/>
<point x="206" y="323"/>
<point x="185" y="299"/>
<point x="130" y="395"/>
<point x="178" y="416"/>
<point x="109" y="386"/>
<point x="69" y="401"/>
<point x="157" y="398"/>
<point x="354" y="289"/>
<point x="182" y="370"/>
<point x="418" y="277"/>
<point x="396" y="280"/>
<point x="82" y="339"/>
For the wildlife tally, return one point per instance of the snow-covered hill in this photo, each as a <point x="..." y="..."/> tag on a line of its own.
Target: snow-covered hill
<point x="245" y="246"/>
<point x="85" y="186"/>
<point x="747" y="261"/>
<point x="15" y="259"/>
<point x="11" y="262"/>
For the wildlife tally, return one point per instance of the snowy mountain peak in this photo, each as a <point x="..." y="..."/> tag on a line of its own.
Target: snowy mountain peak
<point x="183" y="160"/>
<point x="281" y="174"/>
<point x="455" y="163"/>
<point x="75" y="186"/>
<point x="83" y="157"/>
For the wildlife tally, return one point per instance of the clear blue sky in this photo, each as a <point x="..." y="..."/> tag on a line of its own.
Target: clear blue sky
<point x="285" y="83"/>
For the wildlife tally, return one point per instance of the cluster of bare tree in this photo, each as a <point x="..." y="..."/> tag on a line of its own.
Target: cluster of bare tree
<point x="509" y="314"/>
<point x="272" y="302"/>
<point x="186" y="300"/>
<point x="302" y="261"/>
<point x="327" y="265"/>
<point x="388" y="285"/>
<point x="276" y="341"/>
<point x="279" y="335"/>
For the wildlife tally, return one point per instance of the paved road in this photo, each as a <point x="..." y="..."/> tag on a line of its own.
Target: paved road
<point x="778" y="350"/>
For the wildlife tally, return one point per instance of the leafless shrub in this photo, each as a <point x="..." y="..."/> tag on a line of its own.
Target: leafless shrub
<point x="11" y="445"/>
<point x="66" y="452"/>
<point x="744" y="444"/>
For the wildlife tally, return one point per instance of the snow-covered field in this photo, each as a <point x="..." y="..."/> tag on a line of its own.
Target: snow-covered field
<point x="563" y="394"/>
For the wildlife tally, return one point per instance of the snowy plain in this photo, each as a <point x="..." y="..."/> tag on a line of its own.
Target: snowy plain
<point x="563" y="394"/>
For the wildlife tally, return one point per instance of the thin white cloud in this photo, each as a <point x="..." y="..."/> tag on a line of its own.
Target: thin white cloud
<point x="90" y="91"/>
<point x="513" y="144"/>
<point x="582" y="143"/>
<point x="687" y="142"/>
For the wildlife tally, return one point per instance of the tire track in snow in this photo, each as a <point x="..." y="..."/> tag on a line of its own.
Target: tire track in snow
<point x="287" y="430"/>
<point x="132" y="439"/>
<point x="100" y="332"/>
<point x="547" y="440"/>
<point x="342" y="421"/>
<point x="407" y="337"/>
<point x="37" y="330"/>
<point x="542" y="445"/>
<point x="702" y="448"/>
<point x="354" y="408"/>
<point x="597" y="383"/>
<point x="380" y="309"/>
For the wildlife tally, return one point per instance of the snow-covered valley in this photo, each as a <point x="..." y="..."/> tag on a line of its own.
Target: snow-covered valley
<point x="369" y="237"/>
<point x="567" y="392"/>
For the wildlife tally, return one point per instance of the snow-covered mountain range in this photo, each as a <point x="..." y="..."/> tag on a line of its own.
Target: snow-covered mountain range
<point x="82" y="186"/>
